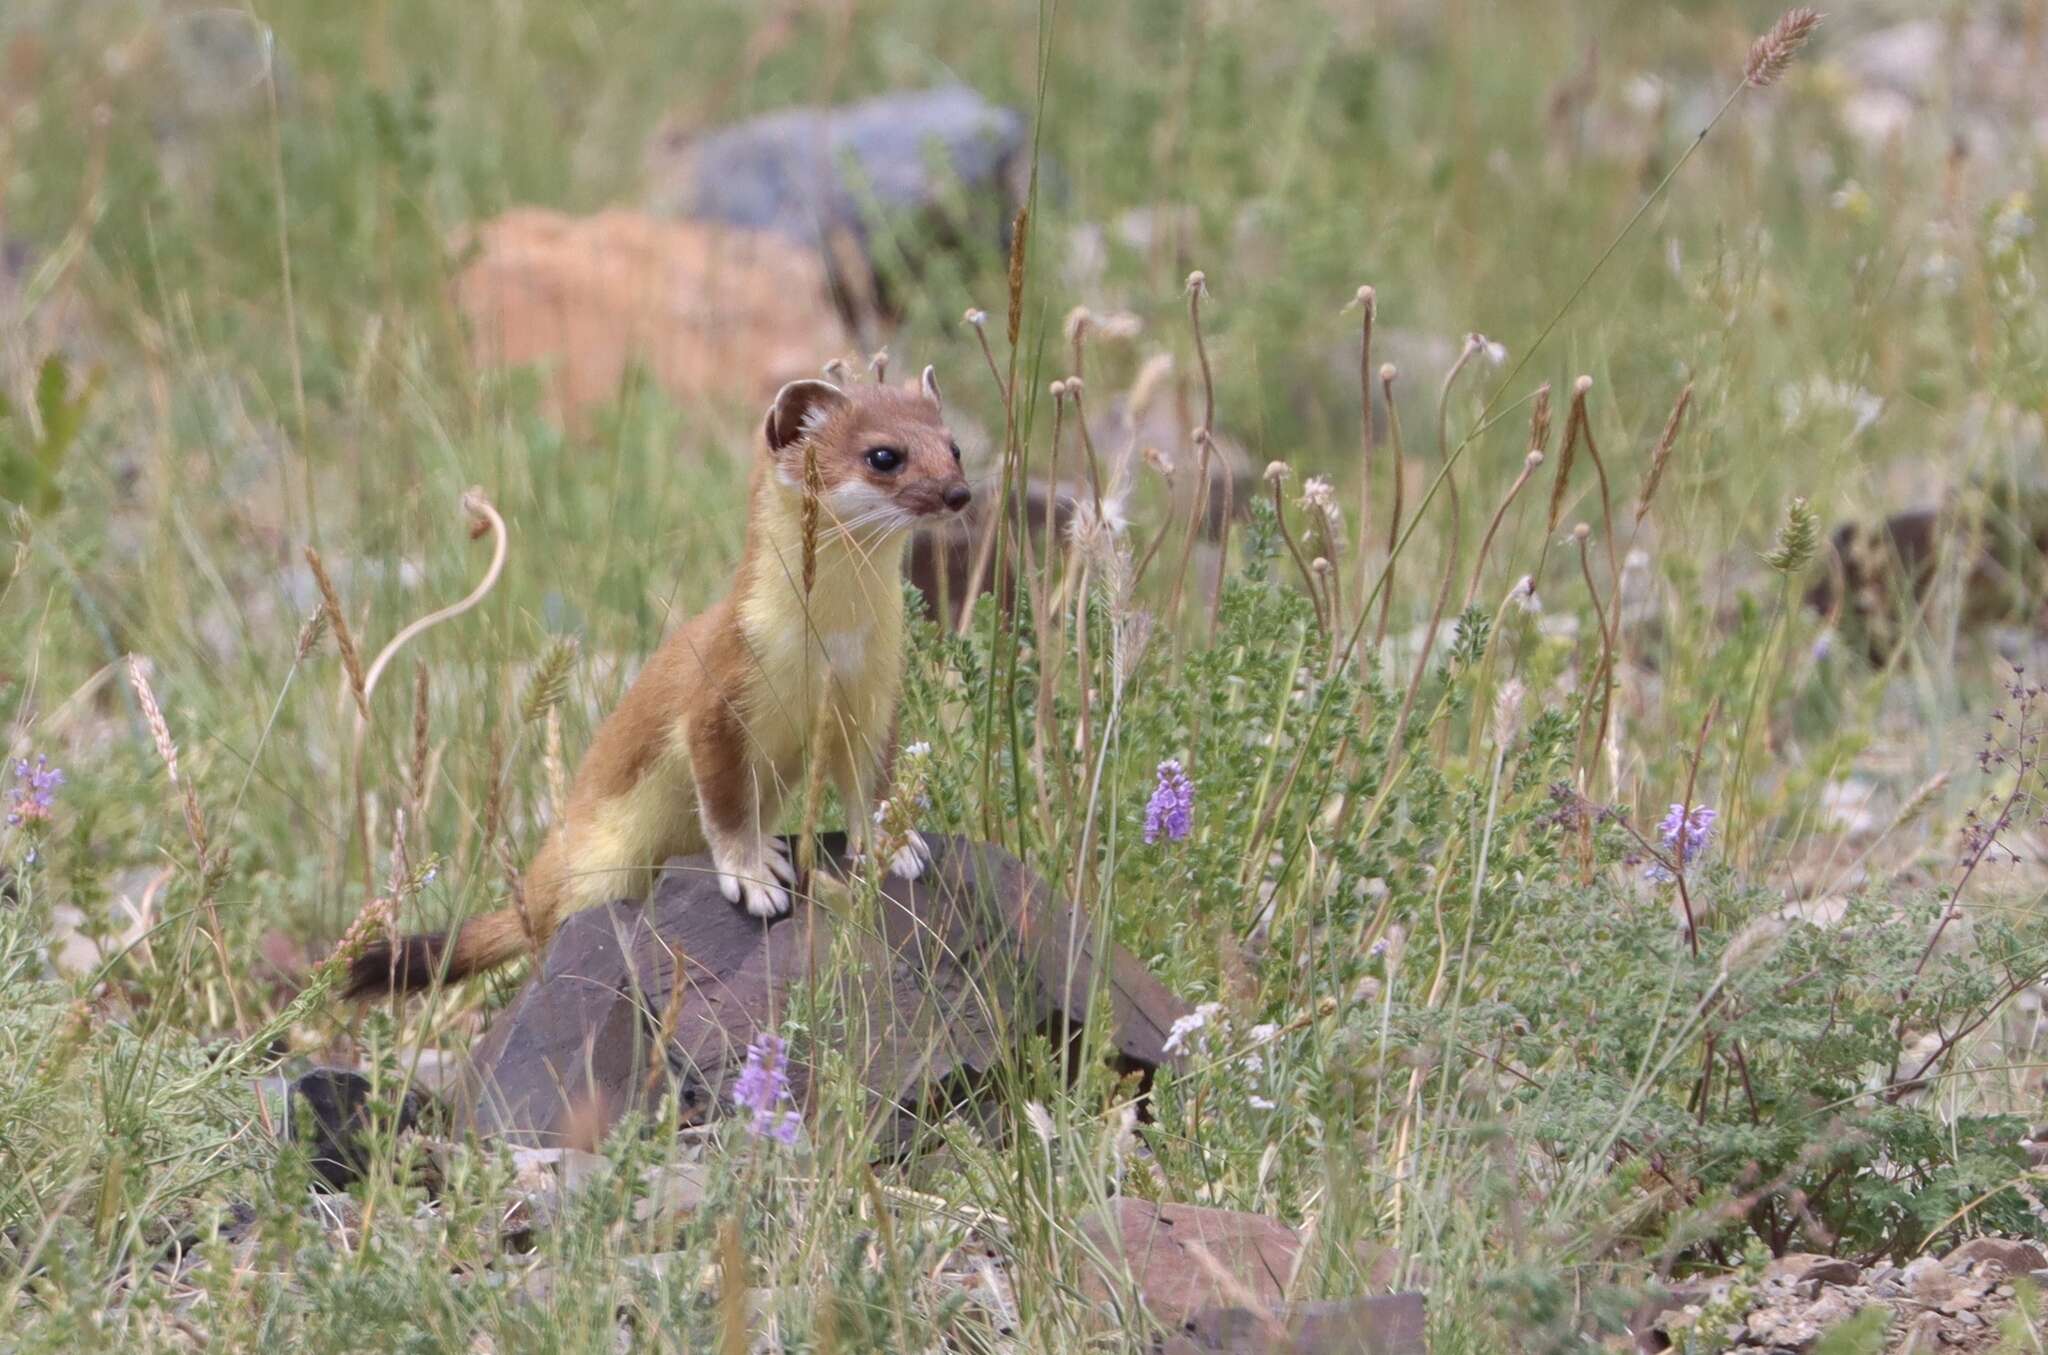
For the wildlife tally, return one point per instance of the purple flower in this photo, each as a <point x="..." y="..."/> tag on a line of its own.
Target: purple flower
<point x="763" y="1088"/>
<point x="1171" y="811"/>
<point x="34" y="791"/>
<point x="1685" y="837"/>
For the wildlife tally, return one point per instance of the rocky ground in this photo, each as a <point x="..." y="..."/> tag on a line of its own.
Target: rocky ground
<point x="1967" y="1300"/>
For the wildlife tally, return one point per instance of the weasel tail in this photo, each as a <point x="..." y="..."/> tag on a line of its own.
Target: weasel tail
<point x="802" y="658"/>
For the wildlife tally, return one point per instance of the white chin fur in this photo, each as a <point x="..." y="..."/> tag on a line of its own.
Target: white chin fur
<point x="865" y="509"/>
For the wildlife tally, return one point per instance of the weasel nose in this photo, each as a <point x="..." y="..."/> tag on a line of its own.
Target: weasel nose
<point x="958" y="497"/>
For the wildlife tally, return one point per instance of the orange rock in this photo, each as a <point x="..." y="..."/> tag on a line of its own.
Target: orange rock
<point x="712" y="312"/>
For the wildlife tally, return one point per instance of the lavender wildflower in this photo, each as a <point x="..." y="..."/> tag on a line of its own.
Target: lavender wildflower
<point x="1685" y="836"/>
<point x="34" y="791"/>
<point x="1186" y="1037"/>
<point x="1171" y="811"/>
<point x="763" y="1088"/>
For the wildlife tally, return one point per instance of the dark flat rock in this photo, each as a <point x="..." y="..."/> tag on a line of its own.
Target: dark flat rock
<point x="926" y="988"/>
<point x="808" y="173"/>
<point x="925" y="169"/>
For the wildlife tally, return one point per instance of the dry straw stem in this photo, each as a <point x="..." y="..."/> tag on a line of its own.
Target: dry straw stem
<point x="1580" y="389"/>
<point x="1161" y="463"/>
<point x="1276" y="476"/>
<point x="1388" y="373"/>
<point x="1198" y="287"/>
<point x="1075" y="390"/>
<point x="1078" y="320"/>
<point x="1539" y="437"/>
<point x="985" y="548"/>
<point x="1367" y="302"/>
<point x="1603" y="676"/>
<point x="1204" y="440"/>
<point x="1473" y="345"/>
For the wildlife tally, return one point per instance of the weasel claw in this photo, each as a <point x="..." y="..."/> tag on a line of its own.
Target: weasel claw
<point x="779" y="865"/>
<point x="766" y="900"/>
<point x="911" y="859"/>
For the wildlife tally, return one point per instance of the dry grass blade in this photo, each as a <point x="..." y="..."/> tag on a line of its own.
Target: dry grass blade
<point x="153" y="716"/>
<point x="734" y="1332"/>
<point x="1660" y="455"/>
<point x="1368" y="305"/>
<point x="417" y="769"/>
<point x="344" y="639"/>
<point x="1020" y="230"/>
<point x="1573" y="424"/>
<point x="1770" y="54"/>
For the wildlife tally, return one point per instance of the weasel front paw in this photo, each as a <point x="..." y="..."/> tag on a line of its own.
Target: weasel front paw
<point x="912" y="859"/>
<point x="761" y="876"/>
<point x="907" y="861"/>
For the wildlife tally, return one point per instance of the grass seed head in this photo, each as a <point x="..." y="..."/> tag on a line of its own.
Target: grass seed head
<point x="1770" y="54"/>
<point x="1798" y="539"/>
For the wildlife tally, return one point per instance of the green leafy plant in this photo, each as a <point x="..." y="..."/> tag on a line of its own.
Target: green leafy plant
<point x="33" y="445"/>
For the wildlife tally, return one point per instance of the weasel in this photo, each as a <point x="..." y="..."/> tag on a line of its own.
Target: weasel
<point x="716" y="730"/>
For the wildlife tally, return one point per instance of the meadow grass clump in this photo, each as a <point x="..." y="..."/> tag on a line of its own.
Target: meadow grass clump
<point x="1561" y="909"/>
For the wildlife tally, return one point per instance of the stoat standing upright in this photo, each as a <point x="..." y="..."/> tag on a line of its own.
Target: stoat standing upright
<point x="717" y="728"/>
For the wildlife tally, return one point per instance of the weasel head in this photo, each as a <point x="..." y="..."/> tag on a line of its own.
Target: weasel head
<point x="885" y="459"/>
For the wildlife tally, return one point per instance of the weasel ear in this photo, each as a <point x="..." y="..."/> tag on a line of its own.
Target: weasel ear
<point x="929" y="384"/>
<point x="800" y="407"/>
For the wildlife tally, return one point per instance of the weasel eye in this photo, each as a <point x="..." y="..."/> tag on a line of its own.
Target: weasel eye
<point x="956" y="452"/>
<point x="887" y="460"/>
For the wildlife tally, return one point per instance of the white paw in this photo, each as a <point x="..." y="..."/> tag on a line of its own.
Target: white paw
<point x="775" y="853"/>
<point x="760" y="878"/>
<point x="911" y="860"/>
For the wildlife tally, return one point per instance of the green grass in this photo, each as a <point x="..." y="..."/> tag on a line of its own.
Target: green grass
<point x="257" y="288"/>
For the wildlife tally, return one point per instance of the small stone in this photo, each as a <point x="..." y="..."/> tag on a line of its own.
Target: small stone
<point x="1928" y="1280"/>
<point x="1923" y="1337"/>
<point x="1834" y="1270"/>
<point x="1792" y="1266"/>
<point x="2011" y="1256"/>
